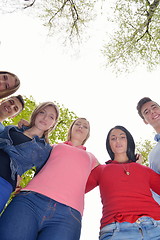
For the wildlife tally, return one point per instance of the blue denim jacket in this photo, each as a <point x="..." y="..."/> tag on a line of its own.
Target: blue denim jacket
<point x="1" y="127"/>
<point x="25" y="155"/>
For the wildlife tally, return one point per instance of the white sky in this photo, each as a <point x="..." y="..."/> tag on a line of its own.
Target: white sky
<point x="80" y="82"/>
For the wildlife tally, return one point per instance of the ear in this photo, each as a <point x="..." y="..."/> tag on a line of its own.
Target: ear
<point x="145" y="121"/>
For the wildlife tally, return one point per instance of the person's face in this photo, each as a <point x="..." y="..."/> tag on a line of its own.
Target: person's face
<point x="7" y="81"/>
<point x="118" y="141"/>
<point x="151" y="113"/>
<point x="80" y="130"/>
<point x="10" y="107"/>
<point x="46" y="118"/>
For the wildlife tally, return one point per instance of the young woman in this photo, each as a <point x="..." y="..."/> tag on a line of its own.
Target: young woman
<point x="129" y="210"/>
<point x="9" y="83"/>
<point x="21" y="149"/>
<point x="51" y="205"/>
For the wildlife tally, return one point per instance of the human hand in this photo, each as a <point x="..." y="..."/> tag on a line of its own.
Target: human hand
<point x="18" y="186"/>
<point x="22" y="123"/>
<point x="139" y="158"/>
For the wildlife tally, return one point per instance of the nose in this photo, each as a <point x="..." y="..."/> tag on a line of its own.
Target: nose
<point x="45" y="117"/>
<point x="118" y="139"/>
<point x="10" y="107"/>
<point x="152" y="111"/>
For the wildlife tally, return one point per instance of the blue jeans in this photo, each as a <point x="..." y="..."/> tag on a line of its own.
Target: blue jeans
<point x="33" y="216"/>
<point x="145" y="228"/>
<point x="5" y="192"/>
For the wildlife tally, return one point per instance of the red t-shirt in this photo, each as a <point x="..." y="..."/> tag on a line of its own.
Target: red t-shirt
<point x="124" y="197"/>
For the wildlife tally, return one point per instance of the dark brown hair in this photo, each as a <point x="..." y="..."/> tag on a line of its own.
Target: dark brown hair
<point x="141" y="103"/>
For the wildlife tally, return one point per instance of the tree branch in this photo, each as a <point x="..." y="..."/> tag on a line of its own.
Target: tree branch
<point x="30" y="5"/>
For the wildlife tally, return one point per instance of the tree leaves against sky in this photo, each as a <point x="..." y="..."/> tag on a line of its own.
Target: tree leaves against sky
<point x="134" y="41"/>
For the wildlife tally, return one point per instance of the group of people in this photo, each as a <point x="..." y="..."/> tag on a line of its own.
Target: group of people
<point x="51" y="206"/>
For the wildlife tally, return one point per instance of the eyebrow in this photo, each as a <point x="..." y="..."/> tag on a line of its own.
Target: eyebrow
<point x="82" y="123"/>
<point x="119" y="134"/>
<point x="154" y="104"/>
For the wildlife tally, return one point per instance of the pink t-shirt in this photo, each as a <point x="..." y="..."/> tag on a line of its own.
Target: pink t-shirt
<point x="64" y="176"/>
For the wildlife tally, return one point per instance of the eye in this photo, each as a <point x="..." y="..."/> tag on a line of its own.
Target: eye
<point x="11" y="102"/>
<point x="41" y="112"/>
<point x="6" y="85"/>
<point x="77" y="124"/>
<point x="85" y="126"/>
<point x="123" y="137"/>
<point x="154" y="107"/>
<point x="5" y="77"/>
<point x="16" y="109"/>
<point x="146" y="112"/>
<point x="113" y="138"/>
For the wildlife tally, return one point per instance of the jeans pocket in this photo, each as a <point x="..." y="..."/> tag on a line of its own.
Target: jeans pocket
<point x="108" y="232"/>
<point x="75" y="214"/>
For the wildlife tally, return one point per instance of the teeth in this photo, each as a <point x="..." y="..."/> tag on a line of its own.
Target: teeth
<point x="155" y="116"/>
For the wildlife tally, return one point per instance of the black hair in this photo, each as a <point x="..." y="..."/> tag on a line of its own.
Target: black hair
<point x="141" y="103"/>
<point x="20" y="98"/>
<point x="130" y="144"/>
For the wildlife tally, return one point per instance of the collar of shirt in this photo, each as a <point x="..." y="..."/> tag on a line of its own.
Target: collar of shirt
<point x="71" y="144"/>
<point x="157" y="137"/>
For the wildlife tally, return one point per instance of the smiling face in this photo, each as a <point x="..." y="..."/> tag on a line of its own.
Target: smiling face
<point x="7" y="81"/>
<point x="80" y="131"/>
<point x="46" y="118"/>
<point x="9" y="108"/>
<point x="151" y="114"/>
<point x="118" y="144"/>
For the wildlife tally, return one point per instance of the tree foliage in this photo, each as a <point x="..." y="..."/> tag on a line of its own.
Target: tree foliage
<point x="68" y="16"/>
<point x="144" y="148"/>
<point x="135" y="37"/>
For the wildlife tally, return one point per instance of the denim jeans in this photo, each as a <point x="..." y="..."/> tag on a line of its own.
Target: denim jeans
<point x="6" y="190"/>
<point x="32" y="216"/>
<point x="145" y="228"/>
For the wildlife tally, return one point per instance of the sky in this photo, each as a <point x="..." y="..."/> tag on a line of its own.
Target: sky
<point x="79" y="81"/>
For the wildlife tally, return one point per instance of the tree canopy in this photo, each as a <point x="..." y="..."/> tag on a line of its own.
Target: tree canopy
<point x="135" y="37"/>
<point x="144" y="148"/>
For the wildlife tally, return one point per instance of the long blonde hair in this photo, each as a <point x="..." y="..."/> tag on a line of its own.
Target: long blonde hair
<point x="70" y="130"/>
<point x="38" y="109"/>
<point x="8" y="92"/>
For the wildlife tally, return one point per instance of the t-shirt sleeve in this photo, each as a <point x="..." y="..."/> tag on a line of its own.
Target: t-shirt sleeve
<point x="154" y="181"/>
<point x="95" y="162"/>
<point x="93" y="179"/>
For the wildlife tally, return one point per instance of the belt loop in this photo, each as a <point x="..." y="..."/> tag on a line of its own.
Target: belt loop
<point x="117" y="225"/>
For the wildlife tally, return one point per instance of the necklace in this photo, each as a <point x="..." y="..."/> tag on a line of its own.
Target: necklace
<point x="126" y="171"/>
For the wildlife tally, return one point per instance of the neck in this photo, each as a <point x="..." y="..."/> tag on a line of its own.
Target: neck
<point x="31" y="132"/>
<point x="122" y="158"/>
<point x="76" y="142"/>
<point x="157" y="129"/>
<point x="1" y="119"/>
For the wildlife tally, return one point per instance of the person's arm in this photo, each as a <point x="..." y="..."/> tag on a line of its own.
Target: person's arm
<point x="139" y="158"/>
<point x="93" y="179"/>
<point x="22" y="123"/>
<point x="95" y="162"/>
<point x="155" y="181"/>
